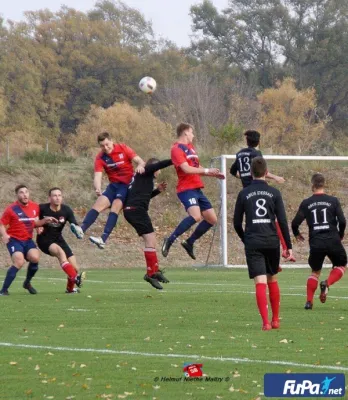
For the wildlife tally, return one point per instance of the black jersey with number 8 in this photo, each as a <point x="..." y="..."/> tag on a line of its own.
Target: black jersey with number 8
<point x="262" y="205"/>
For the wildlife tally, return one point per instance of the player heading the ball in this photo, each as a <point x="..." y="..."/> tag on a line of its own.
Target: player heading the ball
<point x="189" y="191"/>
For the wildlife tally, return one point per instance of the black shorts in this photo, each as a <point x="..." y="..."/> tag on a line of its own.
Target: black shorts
<point x="139" y="219"/>
<point x="44" y="244"/>
<point x="262" y="261"/>
<point x="334" y="250"/>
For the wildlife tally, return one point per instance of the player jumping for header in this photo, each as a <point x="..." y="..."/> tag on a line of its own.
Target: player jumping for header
<point x="51" y="241"/>
<point x="140" y="192"/>
<point x="262" y="204"/>
<point x="20" y="218"/>
<point x="186" y="162"/>
<point x="322" y="213"/>
<point x="116" y="160"/>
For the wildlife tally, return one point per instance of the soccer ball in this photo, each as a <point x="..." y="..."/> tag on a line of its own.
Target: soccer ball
<point x="147" y="85"/>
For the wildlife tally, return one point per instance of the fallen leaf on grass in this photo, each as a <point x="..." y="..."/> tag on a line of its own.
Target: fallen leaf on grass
<point x="85" y="386"/>
<point x="174" y="365"/>
<point x="50" y="397"/>
<point x="69" y="397"/>
<point x="43" y="381"/>
<point x="156" y="387"/>
<point x="37" y="367"/>
<point x="134" y="369"/>
<point x="108" y="387"/>
<point x="83" y="366"/>
<point x="29" y="392"/>
<point x="13" y="362"/>
<point x="147" y="339"/>
<point x="121" y="396"/>
<point x="284" y="341"/>
<point x="231" y="389"/>
<point x="49" y="354"/>
<point x="338" y="363"/>
<point x="61" y="326"/>
<point x="338" y="329"/>
<point x="202" y="337"/>
<point x="288" y="371"/>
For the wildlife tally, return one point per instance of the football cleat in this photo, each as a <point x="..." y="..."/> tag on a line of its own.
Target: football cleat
<point x="323" y="291"/>
<point x="266" y="327"/>
<point x="74" y="291"/>
<point x="77" y="231"/>
<point x="98" y="241"/>
<point x="153" y="282"/>
<point x="30" y="289"/>
<point x="160" y="277"/>
<point x="189" y="249"/>
<point x="275" y="324"/>
<point x="4" y="293"/>
<point x="308" y="305"/>
<point x="166" y="246"/>
<point x="80" y="278"/>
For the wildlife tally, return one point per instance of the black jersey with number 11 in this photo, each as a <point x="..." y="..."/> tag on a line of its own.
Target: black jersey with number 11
<point x="262" y="205"/>
<point x="324" y="216"/>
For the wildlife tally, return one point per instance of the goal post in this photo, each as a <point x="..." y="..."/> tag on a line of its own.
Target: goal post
<point x="223" y="192"/>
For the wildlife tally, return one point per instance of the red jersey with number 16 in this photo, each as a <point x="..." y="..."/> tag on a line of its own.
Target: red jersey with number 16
<point x="181" y="153"/>
<point x="117" y="165"/>
<point x="20" y="220"/>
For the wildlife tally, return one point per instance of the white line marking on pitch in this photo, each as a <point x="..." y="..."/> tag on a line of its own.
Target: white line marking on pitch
<point x="184" y="356"/>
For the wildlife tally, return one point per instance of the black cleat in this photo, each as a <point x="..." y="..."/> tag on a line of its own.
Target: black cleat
<point x="4" y="293"/>
<point x="166" y="246"/>
<point x="30" y="289"/>
<point x="308" y="305"/>
<point x="80" y="278"/>
<point x="160" y="277"/>
<point x="153" y="282"/>
<point x="323" y="291"/>
<point x="189" y="249"/>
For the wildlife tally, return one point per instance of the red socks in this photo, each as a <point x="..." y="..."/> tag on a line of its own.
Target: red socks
<point x="151" y="260"/>
<point x="274" y="298"/>
<point x="71" y="272"/>
<point x="261" y="300"/>
<point x="335" y="275"/>
<point x="312" y="284"/>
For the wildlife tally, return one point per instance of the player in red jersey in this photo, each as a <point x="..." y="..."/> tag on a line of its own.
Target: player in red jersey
<point x="198" y="207"/>
<point x="20" y="218"/>
<point x="116" y="160"/>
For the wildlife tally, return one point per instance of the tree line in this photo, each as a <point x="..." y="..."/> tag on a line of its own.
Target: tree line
<point x="276" y="65"/>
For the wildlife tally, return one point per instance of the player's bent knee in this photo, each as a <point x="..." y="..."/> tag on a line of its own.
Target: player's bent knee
<point x="18" y="260"/>
<point x="101" y="204"/>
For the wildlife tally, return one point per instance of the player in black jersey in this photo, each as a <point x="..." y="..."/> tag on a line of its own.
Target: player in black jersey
<point x="51" y="241"/>
<point x="322" y="213"/>
<point x="262" y="204"/>
<point x="241" y="169"/>
<point x="140" y="192"/>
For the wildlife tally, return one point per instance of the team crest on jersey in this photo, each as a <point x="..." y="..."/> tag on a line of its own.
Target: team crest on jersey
<point x="121" y="156"/>
<point x="61" y="220"/>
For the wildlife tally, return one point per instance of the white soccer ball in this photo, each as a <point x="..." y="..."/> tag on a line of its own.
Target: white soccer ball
<point x="147" y="85"/>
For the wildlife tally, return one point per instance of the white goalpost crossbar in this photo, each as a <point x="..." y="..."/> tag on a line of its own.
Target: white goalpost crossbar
<point x="223" y="192"/>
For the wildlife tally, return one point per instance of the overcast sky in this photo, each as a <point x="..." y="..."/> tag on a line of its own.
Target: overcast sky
<point x="170" y="18"/>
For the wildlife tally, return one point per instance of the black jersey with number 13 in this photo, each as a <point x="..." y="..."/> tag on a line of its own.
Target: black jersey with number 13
<point x="243" y="164"/>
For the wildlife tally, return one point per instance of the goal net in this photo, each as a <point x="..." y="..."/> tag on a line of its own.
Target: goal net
<point x="297" y="171"/>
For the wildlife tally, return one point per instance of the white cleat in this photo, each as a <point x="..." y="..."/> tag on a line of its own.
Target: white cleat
<point x="74" y="291"/>
<point x="77" y="231"/>
<point x="98" y="241"/>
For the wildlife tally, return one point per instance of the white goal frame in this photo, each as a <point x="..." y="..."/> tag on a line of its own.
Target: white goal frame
<point x="223" y="193"/>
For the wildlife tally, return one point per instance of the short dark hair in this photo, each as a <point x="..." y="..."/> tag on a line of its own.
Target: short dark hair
<point x="102" y="136"/>
<point x="152" y="160"/>
<point x="258" y="167"/>
<point x="53" y="189"/>
<point x="318" y="181"/>
<point x="19" y="187"/>
<point x="183" y="126"/>
<point x="252" y="138"/>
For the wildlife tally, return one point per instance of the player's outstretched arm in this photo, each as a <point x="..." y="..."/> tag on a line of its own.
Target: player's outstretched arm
<point x="276" y="178"/>
<point x="214" y="172"/>
<point x="238" y="218"/>
<point x="97" y="182"/>
<point x="4" y="236"/>
<point x="160" y="188"/>
<point x="150" y="169"/>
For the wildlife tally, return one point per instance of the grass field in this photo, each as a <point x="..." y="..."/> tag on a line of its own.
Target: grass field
<point x="115" y="338"/>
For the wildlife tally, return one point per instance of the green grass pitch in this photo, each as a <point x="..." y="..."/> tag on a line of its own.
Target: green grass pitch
<point x="119" y="336"/>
